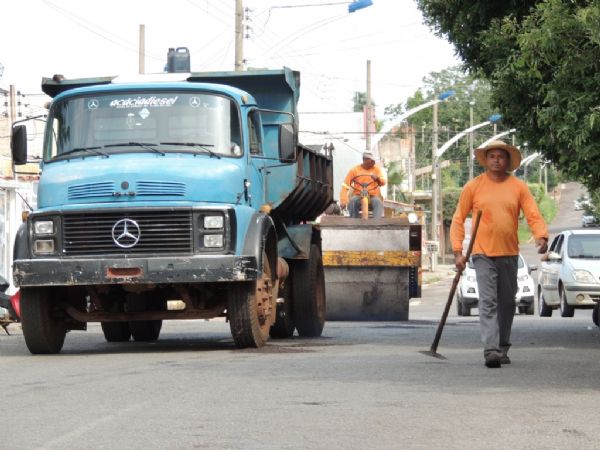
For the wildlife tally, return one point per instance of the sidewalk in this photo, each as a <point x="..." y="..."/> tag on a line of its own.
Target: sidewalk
<point x="441" y="272"/>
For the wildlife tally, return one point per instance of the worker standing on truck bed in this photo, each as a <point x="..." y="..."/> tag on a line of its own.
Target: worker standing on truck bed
<point x="500" y="196"/>
<point x="363" y="176"/>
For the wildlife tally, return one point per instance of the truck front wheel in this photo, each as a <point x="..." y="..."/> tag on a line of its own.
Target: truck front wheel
<point x="309" y="294"/>
<point x="43" y="329"/>
<point x="251" y="309"/>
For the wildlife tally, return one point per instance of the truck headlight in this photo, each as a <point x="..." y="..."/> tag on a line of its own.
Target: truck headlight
<point x="213" y="240"/>
<point x="43" y="227"/>
<point x="43" y="246"/>
<point x="213" y="222"/>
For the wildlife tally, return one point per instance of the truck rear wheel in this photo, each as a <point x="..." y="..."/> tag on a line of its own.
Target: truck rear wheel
<point x="251" y="309"/>
<point x="309" y="294"/>
<point x="116" y="331"/>
<point x="145" y="330"/>
<point x="44" y="333"/>
<point x="284" y="323"/>
<point x="142" y="330"/>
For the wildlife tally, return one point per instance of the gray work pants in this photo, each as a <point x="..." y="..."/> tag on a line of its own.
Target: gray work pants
<point x="497" y="285"/>
<point x="354" y="206"/>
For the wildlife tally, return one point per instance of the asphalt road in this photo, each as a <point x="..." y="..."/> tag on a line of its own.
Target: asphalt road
<point x="359" y="386"/>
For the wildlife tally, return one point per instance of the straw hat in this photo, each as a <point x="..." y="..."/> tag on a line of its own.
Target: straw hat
<point x="513" y="153"/>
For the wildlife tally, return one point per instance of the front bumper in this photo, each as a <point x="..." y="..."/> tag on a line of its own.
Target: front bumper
<point x="184" y="269"/>
<point x="582" y="294"/>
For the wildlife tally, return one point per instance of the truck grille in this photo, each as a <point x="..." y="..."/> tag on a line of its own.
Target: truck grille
<point x="160" y="231"/>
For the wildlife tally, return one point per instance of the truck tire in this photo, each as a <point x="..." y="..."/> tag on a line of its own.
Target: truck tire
<point x="145" y="330"/>
<point x="44" y="333"/>
<point x="142" y="330"/>
<point x="116" y="331"/>
<point x="284" y="323"/>
<point x="251" y="309"/>
<point x="309" y="303"/>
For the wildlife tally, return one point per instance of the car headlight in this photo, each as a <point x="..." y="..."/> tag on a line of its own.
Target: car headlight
<point x="522" y="278"/>
<point x="583" y="276"/>
<point x="43" y="227"/>
<point x="471" y="278"/>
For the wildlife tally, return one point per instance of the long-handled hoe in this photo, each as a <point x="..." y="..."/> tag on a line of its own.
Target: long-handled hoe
<point x="433" y="350"/>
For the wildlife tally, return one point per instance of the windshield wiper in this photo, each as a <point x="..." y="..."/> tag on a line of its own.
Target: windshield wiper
<point x="94" y="150"/>
<point x="144" y="145"/>
<point x="196" y="144"/>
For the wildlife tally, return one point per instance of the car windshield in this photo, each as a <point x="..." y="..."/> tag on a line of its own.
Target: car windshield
<point x="143" y="121"/>
<point x="584" y="246"/>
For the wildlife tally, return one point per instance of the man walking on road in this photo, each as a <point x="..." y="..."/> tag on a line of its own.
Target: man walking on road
<point x="500" y="196"/>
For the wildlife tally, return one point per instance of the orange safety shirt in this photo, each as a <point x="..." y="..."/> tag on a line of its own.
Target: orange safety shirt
<point x="500" y="203"/>
<point x="361" y="175"/>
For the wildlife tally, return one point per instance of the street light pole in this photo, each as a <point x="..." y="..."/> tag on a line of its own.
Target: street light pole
<point x="369" y="108"/>
<point x="471" y="103"/>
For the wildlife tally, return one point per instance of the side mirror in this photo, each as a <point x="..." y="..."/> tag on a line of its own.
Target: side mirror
<point x="287" y="142"/>
<point x="18" y="144"/>
<point x="532" y="268"/>
<point x="554" y="257"/>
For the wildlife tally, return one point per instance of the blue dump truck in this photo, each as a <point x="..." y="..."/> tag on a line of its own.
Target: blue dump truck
<point x="173" y="196"/>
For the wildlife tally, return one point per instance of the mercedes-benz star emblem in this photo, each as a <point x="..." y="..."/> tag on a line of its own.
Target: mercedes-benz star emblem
<point x="194" y="102"/>
<point x="126" y="233"/>
<point x="93" y="103"/>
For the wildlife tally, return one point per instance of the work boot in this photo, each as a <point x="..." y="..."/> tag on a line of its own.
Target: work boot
<point x="493" y="359"/>
<point x="504" y="357"/>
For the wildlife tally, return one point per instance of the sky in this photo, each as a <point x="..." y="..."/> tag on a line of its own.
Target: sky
<point x="321" y="39"/>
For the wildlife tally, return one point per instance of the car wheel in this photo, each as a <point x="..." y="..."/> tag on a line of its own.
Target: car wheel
<point x="595" y="314"/>
<point x="566" y="310"/>
<point x="543" y="309"/>
<point x="459" y="306"/>
<point x="530" y="309"/>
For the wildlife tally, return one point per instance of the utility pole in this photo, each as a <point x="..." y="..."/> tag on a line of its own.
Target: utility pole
<point x="368" y="108"/>
<point x="239" y="36"/>
<point x="434" y="186"/>
<point x="142" y="49"/>
<point x="13" y="104"/>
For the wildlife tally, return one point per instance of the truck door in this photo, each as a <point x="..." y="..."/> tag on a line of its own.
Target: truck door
<point x="257" y="163"/>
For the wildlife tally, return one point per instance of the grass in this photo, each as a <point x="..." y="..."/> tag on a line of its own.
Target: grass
<point x="548" y="208"/>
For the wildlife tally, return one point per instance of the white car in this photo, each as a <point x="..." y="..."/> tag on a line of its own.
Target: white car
<point x="589" y="221"/>
<point x="467" y="294"/>
<point x="569" y="277"/>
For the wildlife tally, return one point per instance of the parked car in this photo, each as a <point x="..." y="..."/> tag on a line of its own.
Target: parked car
<point x="569" y="277"/>
<point x="589" y="221"/>
<point x="467" y="294"/>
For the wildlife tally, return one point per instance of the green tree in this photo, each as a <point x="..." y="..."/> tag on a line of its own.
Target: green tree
<point x="453" y="117"/>
<point x="542" y="59"/>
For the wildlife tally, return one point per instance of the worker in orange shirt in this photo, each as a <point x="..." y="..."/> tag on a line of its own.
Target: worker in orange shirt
<point x="501" y="197"/>
<point x="367" y="174"/>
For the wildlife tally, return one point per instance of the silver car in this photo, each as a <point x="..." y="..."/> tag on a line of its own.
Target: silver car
<point x="569" y="276"/>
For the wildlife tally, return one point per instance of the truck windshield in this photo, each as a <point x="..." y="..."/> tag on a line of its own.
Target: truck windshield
<point x="157" y="122"/>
